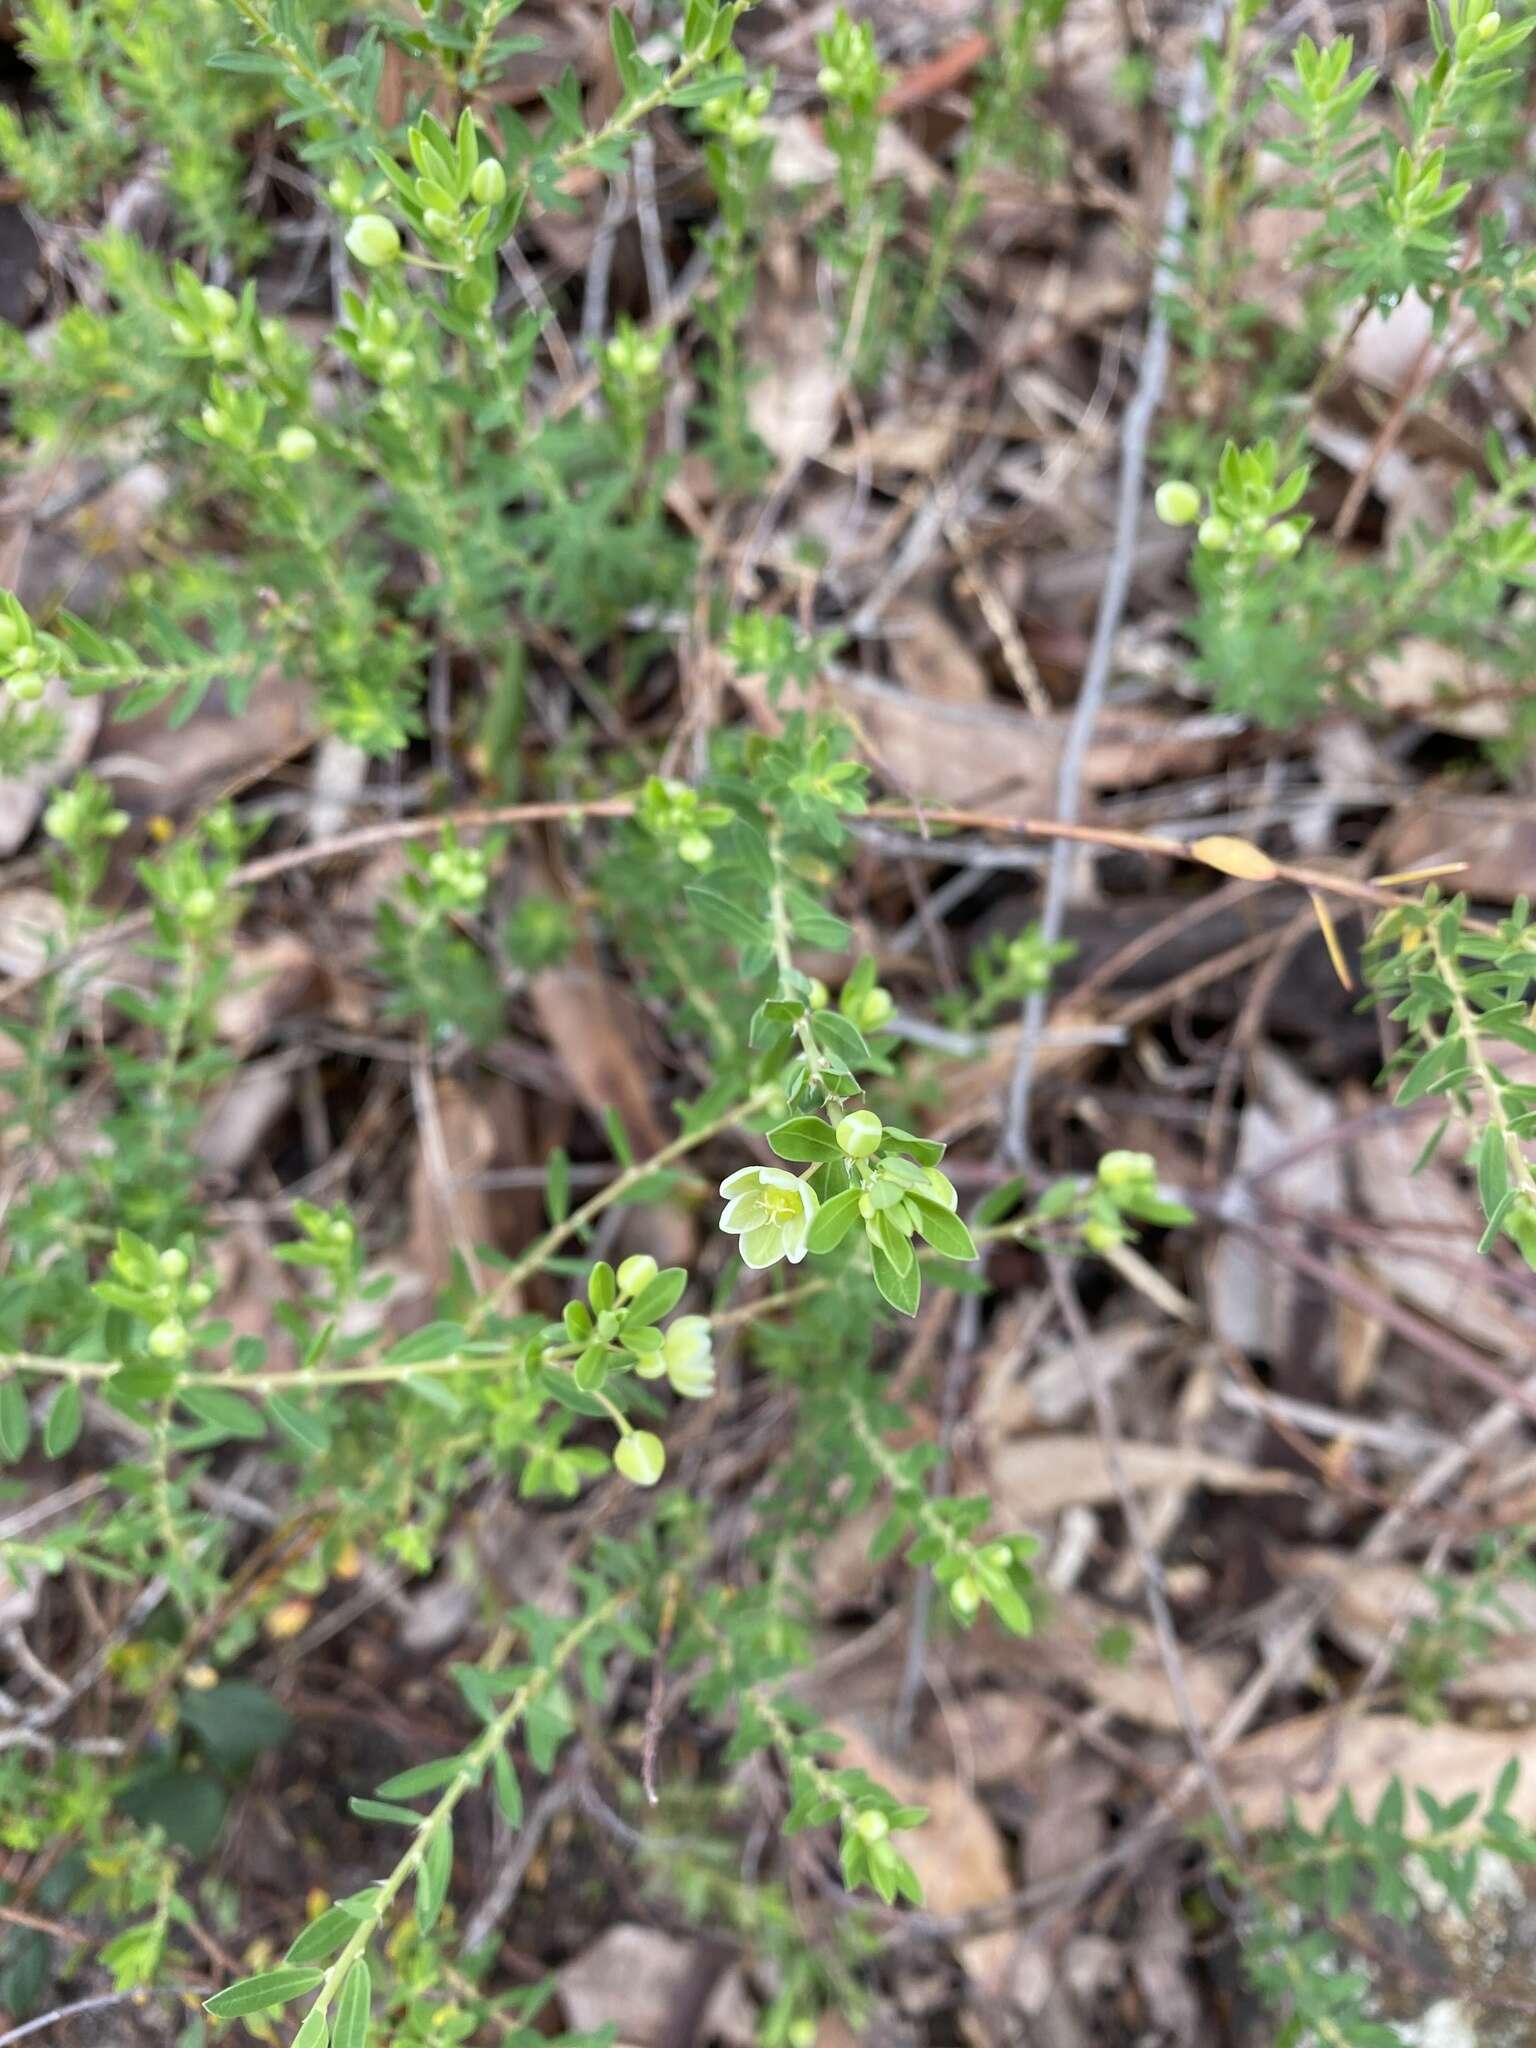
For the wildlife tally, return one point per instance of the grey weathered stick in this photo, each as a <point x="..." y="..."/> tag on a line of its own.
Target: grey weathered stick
<point x="1139" y="415"/>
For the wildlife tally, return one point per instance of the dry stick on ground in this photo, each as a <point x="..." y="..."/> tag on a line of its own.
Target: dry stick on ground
<point x="1011" y="1149"/>
<point x="1117" y="582"/>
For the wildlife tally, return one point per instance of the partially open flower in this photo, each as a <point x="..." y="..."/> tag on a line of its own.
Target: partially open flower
<point x="688" y="1358"/>
<point x="771" y="1212"/>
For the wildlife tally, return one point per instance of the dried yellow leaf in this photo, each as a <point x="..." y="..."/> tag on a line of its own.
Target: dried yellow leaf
<point x="1237" y="857"/>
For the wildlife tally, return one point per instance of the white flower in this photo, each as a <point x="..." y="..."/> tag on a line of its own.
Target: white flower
<point x="771" y="1211"/>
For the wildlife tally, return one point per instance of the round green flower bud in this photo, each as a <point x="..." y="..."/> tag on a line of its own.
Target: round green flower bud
<point x="438" y="223"/>
<point x="173" y="1263"/>
<point x="636" y="1272"/>
<point x="339" y="1230"/>
<point x="640" y="1457"/>
<point x="168" y="1339"/>
<point x="965" y="1597"/>
<point x="225" y="347"/>
<point x="877" y="1008"/>
<point x="872" y="1826"/>
<point x="200" y="905"/>
<point x="1283" y="540"/>
<point x="1178" y="503"/>
<point x="1121" y="1169"/>
<point x="296" y="444"/>
<point x="859" y="1134"/>
<point x="212" y="422"/>
<point x="198" y="1295"/>
<point x="183" y="333"/>
<point x="24" y="657"/>
<point x="867" y="1208"/>
<point x="820" y="994"/>
<point x="802" y="2034"/>
<point x="1215" y="533"/>
<point x="397" y="364"/>
<point x="373" y="240"/>
<point x="26" y="688"/>
<point x="221" y="306"/>
<point x="488" y="187"/>
<point x="695" y="848"/>
<point x="1489" y="26"/>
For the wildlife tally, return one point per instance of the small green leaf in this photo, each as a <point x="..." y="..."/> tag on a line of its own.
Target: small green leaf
<point x="420" y="1778"/>
<point x="61" y="1431"/>
<point x="942" y="1228"/>
<point x="804" y="1138"/>
<point x="433" y="1875"/>
<point x="657" y="1298"/>
<point x="231" y="1413"/>
<point x="314" y="2033"/>
<point x="428" y="1346"/>
<point x="352" y="2008"/>
<point x="307" y="1432"/>
<point x="323" y="1936"/>
<point x="15" y="1422"/>
<point x="833" y="1220"/>
<point x="509" y="1793"/>
<point x="263" y="1993"/>
<point x="902" y="1290"/>
<point x="557" y="1185"/>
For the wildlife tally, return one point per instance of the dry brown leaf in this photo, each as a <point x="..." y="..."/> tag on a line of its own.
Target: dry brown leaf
<point x="238" y="1116"/>
<point x="1134" y="1686"/>
<point x="957" y="1852"/>
<point x="929" y="656"/>
<point x="795" y="391"/>
<point x="447" y="1214"/>
<point x="1251" y="1298"/>
<point x="636" y="1979"/>
<point x="155" y="766"/>
<point x="592" y="1029"/>
<point x="1313" y="1759"/>
<point x="1370" y="1599"/>
<point x="271" y="978"/>
<point x="1433" y="683"/>
<point x="1055" y="1388"/>
<point x="1441" y="1212"/>
<point x="991" y="756"/>
<point x="1496" y="836"/>
<point x="1041" y="1475"/>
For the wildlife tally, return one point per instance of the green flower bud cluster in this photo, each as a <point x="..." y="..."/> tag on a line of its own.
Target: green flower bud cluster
<point x="459" y="875"/>
<point x="615" y="1330"/>
<point x="736" y="118"/>
<point x="372" y="339"/>
<point x="210" y="322"/>
<point x="83" y="816"/>
<point x="1244" y="517"/>
<point x="851" y="73"/>
<point x="160" y="1289"/>
<point x="233" y="416"/>
<point x="328" y="1239"/>
<point x="675" y="815"/>
<point x="862" y="1000"/>
<point x="1102" y="1213"/>
<point x="867" y="1853"/>
<point x="27" y="658"/>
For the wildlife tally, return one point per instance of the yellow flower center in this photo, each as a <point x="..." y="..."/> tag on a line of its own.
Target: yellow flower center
<point x="781" y="1204"/>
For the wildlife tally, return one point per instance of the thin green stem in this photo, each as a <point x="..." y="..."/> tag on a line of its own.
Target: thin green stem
<point x="472" y="1765"/>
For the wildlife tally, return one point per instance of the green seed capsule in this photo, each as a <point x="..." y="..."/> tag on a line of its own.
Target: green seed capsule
<point x="296" y="444"/>
<point x="636" y="1272"/>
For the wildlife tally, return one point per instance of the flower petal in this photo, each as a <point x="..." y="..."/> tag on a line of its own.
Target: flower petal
<point x="763" y="1246"/>
<point x="743" y="1178"/>
<point x="744" y="1211"/>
